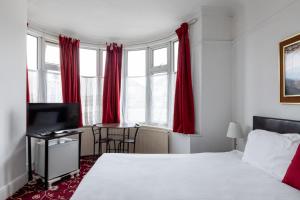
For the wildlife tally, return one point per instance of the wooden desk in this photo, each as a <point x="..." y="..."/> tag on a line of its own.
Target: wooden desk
<point x="47" y="138"/>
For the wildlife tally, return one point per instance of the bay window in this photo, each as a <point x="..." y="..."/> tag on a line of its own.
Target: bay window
<point x="175" y="55"/>
<point x="136" y="86"/>
<point x="160" y="57"/>
<point x="159" y="99"/>
<point x="159" y="75"/>
<point x="32" y="66"/>
<point x="103" y="63"/>
<point x="90" y="83"/>
<point x="149" y="84"/>
<point x="53" y="77"/>
<point x="173" y="76"/>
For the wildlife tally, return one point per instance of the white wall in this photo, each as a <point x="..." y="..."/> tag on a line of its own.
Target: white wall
<point x="211" y="47"/>
<point x="13" y="17"/>
<point x="260" y="26"/>
<point x="215" y="96"/>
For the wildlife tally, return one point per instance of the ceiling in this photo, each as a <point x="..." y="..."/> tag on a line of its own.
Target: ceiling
<point x="126" y="21"/>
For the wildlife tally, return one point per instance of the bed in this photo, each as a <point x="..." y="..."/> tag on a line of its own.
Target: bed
<point x="203" y="176"/>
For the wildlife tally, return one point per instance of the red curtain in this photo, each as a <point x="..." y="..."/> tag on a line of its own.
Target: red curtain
<point x="70" y="75"/>
<point x="184" y="114"/>
<point x="112" y="84"/>
<point x="27" y="87"/>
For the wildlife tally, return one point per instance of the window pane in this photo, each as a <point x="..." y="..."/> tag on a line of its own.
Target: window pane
<point x="88" y="62"/>
<point x="160" y="57"/>
<point x="159" y="98"/>
<point x="90" y="100"/>
<point x="103" y="62"/>
<point x="52" y="54"/>
<point x="54" y="93"/>
<point x="32" y="51"/>
<point x="176" y="45"/>
<point x="33" y="86"/>
<point x="172" y="99"/>
<point x="137" y="63"/>
<point x="136" y="99"/>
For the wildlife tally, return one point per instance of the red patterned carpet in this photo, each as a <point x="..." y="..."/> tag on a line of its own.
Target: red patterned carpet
<point x="61" y="190"/>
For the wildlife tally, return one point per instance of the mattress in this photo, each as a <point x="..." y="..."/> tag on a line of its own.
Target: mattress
<point x="204" y="176"/>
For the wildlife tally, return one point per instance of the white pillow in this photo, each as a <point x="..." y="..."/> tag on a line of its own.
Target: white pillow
<point x="270" y="151"/>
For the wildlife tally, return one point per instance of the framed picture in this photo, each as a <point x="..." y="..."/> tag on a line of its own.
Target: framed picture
<point x="290" y="70"/>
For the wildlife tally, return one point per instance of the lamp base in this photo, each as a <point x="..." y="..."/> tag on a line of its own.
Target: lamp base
<point x="235" y="143"/>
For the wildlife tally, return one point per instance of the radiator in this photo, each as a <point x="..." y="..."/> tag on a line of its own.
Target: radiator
<point x="149" y="140"/>
<point x="152" y="140"/>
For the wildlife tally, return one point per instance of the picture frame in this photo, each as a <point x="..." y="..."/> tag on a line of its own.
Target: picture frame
<point x="290" y="70"/>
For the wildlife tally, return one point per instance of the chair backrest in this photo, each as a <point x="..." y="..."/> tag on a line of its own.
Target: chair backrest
<point x="95" y="130"/>
<point x="137" y="128"/>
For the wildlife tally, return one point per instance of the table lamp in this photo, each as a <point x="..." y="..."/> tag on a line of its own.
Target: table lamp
<point x="234" y="131"/>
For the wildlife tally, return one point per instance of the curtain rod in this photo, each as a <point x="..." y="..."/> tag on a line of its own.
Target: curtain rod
<point x="170" y="35"/>
<point x="192" y="21"/>
<point x="56" y="35"/>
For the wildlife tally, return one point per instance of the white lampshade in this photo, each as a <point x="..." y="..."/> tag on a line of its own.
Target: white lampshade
<point x="234" y="130"/>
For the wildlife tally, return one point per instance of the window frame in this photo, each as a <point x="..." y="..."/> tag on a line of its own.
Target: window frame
<point x="150" y="71"/>
<point x="171" y="82"/>
<point x="125" y="82"/>
<point x="48" y="67"/>
<point x="98" y="61"/>
<point x="99" y="71"/>
<point x="173" y="55"/>
<point x="51" y="66"/>
<point x="44" y="67"/>
<point x="160" y="68"/>
<point x="37" y="61"/>
<point x="39" y="64"/>
<point x="154" y="70"/>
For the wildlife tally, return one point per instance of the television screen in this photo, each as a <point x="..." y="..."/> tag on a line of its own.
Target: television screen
<point x="50" y="117"/>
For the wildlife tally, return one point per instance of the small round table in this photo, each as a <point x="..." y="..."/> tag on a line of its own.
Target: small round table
<point x="121" y="139"/>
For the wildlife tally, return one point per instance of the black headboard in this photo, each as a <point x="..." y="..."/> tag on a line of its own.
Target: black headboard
<point x="276" y="125"/>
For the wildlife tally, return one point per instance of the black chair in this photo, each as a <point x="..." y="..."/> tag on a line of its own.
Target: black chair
<point x="99" y="139"/>
<point x="129" y="140"/>
<point x="116" y="139"/>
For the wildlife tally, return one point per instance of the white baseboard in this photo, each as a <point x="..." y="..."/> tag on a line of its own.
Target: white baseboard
<point x="10" y="188"/>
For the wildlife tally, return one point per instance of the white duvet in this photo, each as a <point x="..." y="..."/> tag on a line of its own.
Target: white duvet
<point x="204" y="176"/>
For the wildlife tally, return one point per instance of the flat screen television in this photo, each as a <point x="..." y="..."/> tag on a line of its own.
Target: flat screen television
<point x="51" y="117"/>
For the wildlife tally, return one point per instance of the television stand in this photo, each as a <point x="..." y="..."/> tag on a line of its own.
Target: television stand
<point x="47" y="133"/>
<point x="46" y="139"/>
<point x="71" y="174"/>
